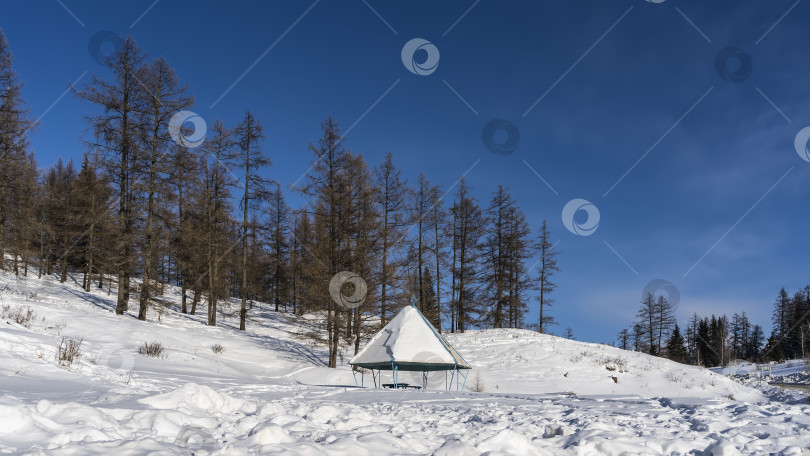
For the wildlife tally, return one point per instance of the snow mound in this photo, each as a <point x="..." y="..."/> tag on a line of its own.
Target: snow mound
<point x="521" y="361"/>
<point x="192" y="397"/>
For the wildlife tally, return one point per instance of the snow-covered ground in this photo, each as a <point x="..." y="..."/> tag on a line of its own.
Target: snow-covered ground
<point x="268" y="392"/>
<point x="794" y="369"/>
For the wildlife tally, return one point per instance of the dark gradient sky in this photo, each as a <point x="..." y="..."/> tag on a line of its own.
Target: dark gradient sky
<point x="717" y="203"/>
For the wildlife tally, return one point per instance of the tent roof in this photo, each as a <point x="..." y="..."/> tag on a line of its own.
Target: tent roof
<point x="411" y="343"/>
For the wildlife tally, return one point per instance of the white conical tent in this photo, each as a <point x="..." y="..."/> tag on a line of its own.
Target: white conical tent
<point x="409" y="343"/>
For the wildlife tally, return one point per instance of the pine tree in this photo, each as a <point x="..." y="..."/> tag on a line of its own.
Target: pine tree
<point x="781" y="312"/>
<point x="24" y="214"/>
<point x="278" y="246"/>
<point x="496" y="245"/>
<point x="429" y="295"/>
<point x="704" y="348"/>
<point x="467" y="229"/>
<point x="116" y="130"/>
<point x="185" y="176"/>
<point x="753" y="349"/>
<point x="60" y="216"/>
<point x="569" y="333"/>
<point x="213" y="211"/>
<point x="638" y="337"/>
<point x="363" y="247"/>
<point x="664" y="319"/>
<point x="419" y="209"/>
<point x="163" y="97"/>
<point x="692" y="337"/>
<point x="647" y="320"/>
<point x="248" y="136"/>
<point x="773" y="349"/>
<point x="624" y="339"/>
<point x="676" y="347"/>
<point x="548" y="267"/>
<point x="93" y="198"/>
<point x="299" y="258"/>
<point x="14" y="159"/>
<point x="519" y="282"/>
<point x="329" y="206"/>
<point x="437" y="221"/>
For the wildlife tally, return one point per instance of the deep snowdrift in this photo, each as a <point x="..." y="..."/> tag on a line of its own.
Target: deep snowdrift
<point x="268" y="392"/>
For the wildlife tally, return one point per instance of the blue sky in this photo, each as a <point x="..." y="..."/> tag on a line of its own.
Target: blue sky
<point x="716" y="204"/>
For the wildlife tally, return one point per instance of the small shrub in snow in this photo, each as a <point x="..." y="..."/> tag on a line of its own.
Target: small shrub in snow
<point x="18" y="315"/>
<point x="615" y="363"/>
<point x="69" y="351"/>
<point x="153" y="349"/>
<point x="217" y="349"/>
<point x="576" y="359"/>
<point x="478" y="383"/>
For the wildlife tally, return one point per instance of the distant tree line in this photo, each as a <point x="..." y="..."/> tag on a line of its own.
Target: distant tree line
<point x="717" y="340"/>
<point x="143" y="210"/>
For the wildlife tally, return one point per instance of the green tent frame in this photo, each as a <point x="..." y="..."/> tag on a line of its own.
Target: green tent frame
<point x="455" y="370"/>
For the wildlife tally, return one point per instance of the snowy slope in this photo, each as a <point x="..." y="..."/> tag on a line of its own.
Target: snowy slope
<point x="268" y="392"/>
<point x="527" y="362"/>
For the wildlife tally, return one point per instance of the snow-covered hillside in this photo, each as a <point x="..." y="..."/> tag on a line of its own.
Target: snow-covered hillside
<point x="268" y="392"/>
<point x="527" y="362"/>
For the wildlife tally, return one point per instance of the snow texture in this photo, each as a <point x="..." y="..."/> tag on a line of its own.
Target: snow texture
<point x="269" y="392"/>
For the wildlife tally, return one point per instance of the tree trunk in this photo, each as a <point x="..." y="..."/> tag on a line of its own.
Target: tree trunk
<point x="243" y="311"/>
<point x="195" y="301"/>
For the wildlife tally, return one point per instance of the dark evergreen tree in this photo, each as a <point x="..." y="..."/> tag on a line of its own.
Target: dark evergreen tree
<point x="676" y="347"/>
<point x="429" y="296"/>
<point x="703" y="343"/>
<point x="773" y="349"/>
<point x="753" y="349"/>
<point x="14" y="159"/>
<point x="624" y="339"/>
